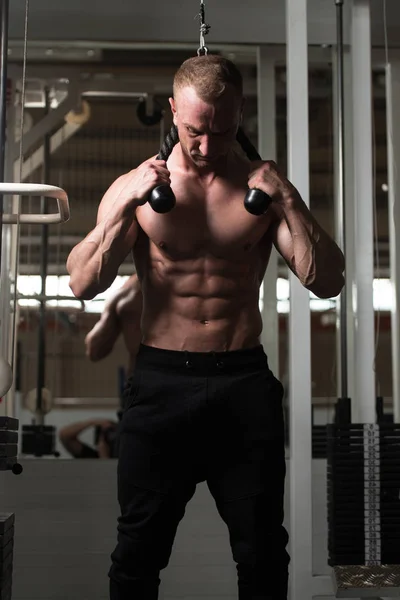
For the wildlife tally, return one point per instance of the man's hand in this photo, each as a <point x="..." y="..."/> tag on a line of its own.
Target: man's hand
<point x="265" y="176"/>
<point x="138" y="183"/>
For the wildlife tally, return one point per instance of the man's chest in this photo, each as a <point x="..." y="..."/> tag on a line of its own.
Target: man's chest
<point x="213" y="222"/>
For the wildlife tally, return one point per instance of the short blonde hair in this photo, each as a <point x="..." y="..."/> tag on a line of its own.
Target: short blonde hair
<point x="209" y="75"/>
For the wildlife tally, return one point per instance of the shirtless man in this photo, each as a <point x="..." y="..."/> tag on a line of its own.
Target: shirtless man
<point x="204" y="404"/>
<point x="122" y="313"/>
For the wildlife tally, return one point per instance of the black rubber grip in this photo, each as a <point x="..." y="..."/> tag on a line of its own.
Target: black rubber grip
<point x="257" y="202"/>
<point x="162" y="199"/>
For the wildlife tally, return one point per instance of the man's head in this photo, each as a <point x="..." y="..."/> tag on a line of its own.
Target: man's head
<point x="207" y="107"/>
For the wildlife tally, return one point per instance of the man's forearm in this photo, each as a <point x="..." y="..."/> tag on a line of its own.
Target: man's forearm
<point x="74" y="429"/>
<point x="317" y="260"/>
<point x="94" y="262"/>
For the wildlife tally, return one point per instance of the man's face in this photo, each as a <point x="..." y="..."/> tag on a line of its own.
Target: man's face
<point x="206" y="131"/>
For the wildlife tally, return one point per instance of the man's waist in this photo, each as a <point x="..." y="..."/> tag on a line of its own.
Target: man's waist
<point x="212" y="361"/>
<point x="175" y="332"/>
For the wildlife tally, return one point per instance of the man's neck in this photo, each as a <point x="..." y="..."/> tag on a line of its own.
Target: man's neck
<point x="206" y="171"/>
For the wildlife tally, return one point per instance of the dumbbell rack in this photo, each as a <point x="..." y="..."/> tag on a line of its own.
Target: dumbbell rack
<point x="363" y="485"/>
<point x="8" y="462"/>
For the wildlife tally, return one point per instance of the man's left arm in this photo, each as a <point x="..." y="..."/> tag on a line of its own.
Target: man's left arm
<point x="309" y="251"/>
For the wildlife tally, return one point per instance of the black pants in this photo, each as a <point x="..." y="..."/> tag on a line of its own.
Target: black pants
<point x="192" y="417"/>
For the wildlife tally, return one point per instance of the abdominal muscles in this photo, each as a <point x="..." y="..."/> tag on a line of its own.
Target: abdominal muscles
<point x="204" y="304"/>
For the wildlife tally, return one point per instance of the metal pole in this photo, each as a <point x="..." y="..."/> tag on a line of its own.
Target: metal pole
<point x="41" y="367"/>
<point x="341" y="195"/>
<point x="3" y="100"/>
<point x="393" y="150"/>
<point x="266" y="98"/>
<point x="300" y="397"/>
<point x="364" y="382"/>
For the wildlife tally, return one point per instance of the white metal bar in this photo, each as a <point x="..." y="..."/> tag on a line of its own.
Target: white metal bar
<point x="365" y="394"/>
<point x="45" y="298"/>
<point x="349" y="214"/>
<point x="393" y="149"/>
<point x="299" y="317"/>
<point x="8" y="407"/>
<point x="37" y="189"/>
<point x="5" y="314"/>
<point x="266" y="108"/>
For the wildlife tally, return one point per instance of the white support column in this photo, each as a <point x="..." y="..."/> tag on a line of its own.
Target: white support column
<point x="299" y="318"/>
<point x="266" y="97"/>
<point x="5" y="298"/>
<point x="349" y="215"/>
<point x="7" y="267"/>
<point x="393" y="144"/>
<point x="365" y="393"/>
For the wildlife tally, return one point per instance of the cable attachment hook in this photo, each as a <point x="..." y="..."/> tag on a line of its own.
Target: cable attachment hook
<point x="204" y="29"/>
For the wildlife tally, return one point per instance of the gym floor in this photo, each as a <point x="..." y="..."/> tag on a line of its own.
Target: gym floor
<point x="65" y="528"/>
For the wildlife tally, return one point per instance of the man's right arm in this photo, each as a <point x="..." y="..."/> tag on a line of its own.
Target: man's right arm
<point x="122" y="311"/>
<point x="93" y="264"/>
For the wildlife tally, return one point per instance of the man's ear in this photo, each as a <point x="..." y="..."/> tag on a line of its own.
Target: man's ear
<point x="173" y="108"/>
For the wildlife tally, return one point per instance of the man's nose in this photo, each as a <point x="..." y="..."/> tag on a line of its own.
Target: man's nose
<point x="207" y="145"/>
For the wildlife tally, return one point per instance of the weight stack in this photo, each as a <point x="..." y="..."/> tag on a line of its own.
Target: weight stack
<point x="363" y="484"/>
<point x="9" y="445"/>
<point x="6" y="554"/>
<point x="319" y="449"/>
